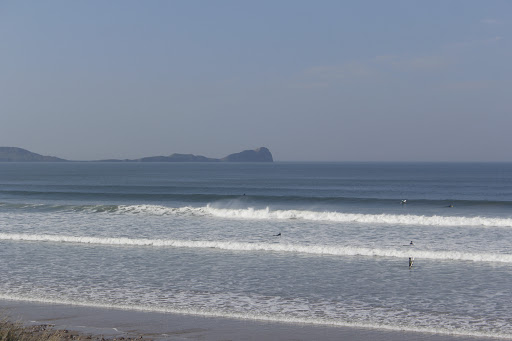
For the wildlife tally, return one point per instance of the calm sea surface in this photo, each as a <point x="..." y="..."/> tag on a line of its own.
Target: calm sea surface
<point x="196" y="238"/>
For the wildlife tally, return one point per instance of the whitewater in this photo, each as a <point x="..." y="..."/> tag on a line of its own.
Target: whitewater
<point x="240" y="246"/>
<point x="305" y="243"/>
<point x="270" y="214"/>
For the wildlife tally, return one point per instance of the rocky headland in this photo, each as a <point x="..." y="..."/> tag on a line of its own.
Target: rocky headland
<point x="14" y="154"/>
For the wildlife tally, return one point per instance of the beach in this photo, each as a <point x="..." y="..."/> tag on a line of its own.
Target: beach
<point x="116" y="324"/>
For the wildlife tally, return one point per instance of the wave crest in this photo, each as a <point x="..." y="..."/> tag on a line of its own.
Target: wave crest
<point x="266" y="247"/>
<point x="269" y="214"/>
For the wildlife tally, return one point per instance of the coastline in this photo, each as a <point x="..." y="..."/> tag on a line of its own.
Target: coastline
<point x="116" y="324"/>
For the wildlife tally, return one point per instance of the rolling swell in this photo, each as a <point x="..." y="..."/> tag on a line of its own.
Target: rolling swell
<point x="331" y="250"/>
<point x="302" y="198"/>
<point x="72" y="195"/>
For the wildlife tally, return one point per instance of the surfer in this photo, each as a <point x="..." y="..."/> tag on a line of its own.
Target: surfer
<point x="451" y="205"/>
<point x="411" y="261"/>
<point x="411" y="243"/>
<point x="278" y="235"/>
<point x="403" y="202"/>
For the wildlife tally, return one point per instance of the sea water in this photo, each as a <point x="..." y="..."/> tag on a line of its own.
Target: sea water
<point x="203" y="239"/>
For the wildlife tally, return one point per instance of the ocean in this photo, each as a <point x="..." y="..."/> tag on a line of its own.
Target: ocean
<point x="307" y="243"/>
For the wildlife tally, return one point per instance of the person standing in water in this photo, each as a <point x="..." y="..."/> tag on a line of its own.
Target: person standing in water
<point x="411" y="261"/>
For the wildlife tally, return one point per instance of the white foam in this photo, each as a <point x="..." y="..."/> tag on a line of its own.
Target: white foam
<point x="160" y="210"/>
<point x="328" y="216"/>
<point x="268" y="214"/>
<point x="269" y="247"/>
<point x="263" y="317"/>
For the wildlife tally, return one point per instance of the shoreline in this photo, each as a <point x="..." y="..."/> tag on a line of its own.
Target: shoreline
<point x="130" y="324"/>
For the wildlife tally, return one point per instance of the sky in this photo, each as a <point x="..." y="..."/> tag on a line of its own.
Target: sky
<point x="310" y="80"/>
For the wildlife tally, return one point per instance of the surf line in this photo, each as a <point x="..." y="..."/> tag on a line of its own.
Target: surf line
<point x="257" y="317"/>
<point x="332" y="250"/>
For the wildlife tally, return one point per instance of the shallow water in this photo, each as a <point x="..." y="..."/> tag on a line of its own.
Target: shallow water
<point x="200" y="239"/>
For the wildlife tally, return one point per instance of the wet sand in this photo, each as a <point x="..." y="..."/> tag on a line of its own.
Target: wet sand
<point x="111" y="323"/>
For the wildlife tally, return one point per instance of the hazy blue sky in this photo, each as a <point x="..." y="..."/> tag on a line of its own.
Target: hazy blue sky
<point x="311" y="80"/>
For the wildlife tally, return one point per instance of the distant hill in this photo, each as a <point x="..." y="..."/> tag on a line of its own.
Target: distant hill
<point x="178" y="158"/>
<point x="258" y="155"/>
<point x="14" y="154"/>
<point x="262" y="154"/>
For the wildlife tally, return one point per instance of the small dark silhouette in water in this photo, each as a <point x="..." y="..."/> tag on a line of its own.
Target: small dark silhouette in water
<point x="411" y="243"/>
<point x="277" y="235"/>
<point x="451" y="205"/>
<point x="411" y="261"/>
<point x="403" y="202"/>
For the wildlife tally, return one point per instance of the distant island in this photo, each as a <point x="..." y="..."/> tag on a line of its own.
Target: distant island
<point x="14" y="154"/>
<point x="262" y="154"/>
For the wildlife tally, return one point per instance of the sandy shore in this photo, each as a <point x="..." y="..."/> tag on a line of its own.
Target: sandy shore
<point x="110" y="323"/>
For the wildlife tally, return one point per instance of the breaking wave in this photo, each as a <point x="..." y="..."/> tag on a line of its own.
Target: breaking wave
<point x="328" y="216"/>
<point x="265" y="247"/>
<point x="270" y="214"/>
